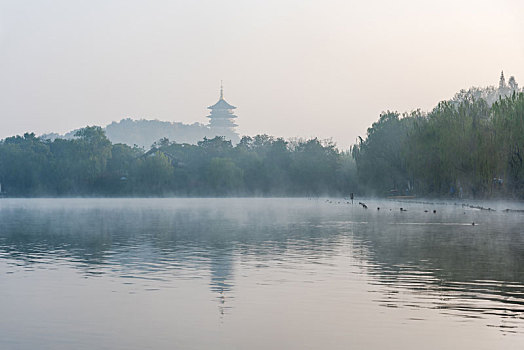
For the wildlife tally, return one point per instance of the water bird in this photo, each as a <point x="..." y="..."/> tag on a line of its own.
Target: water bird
<point x="378" y="208"/>
<point x="402" y="209"/>
<point x="363" y="205"/>
<point x="425" y="211"/>
<point x="434" y="211"/>
<point x="473" y="224"/>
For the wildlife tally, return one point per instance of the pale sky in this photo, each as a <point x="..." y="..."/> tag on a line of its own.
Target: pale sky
<point x="293" y="68"/>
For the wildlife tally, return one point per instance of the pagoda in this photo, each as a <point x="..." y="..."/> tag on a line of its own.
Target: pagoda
<point x="221" y="117"/>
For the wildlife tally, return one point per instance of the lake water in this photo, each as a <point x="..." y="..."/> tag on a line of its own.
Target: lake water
<point x="258" y="274"/>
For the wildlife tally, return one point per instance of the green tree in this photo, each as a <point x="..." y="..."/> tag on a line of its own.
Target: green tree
<point x="380" y="158"/>
<point x="224" y="177"/>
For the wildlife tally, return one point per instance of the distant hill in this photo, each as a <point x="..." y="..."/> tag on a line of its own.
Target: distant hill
<point x="144" y="133"/>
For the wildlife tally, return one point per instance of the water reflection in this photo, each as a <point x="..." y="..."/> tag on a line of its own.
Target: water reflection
<point x="461" y="270"/>
<point x="410" y="259"/>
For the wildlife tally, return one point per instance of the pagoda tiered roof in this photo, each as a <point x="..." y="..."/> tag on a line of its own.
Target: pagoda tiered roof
<point x="221" y="104"/>
<point x="222" y="123"/>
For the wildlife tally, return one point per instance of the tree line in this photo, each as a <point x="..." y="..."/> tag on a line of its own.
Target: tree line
<point x="465" y="148"/>
<point x="469" y="146"/>
<point x="89" y="164"/>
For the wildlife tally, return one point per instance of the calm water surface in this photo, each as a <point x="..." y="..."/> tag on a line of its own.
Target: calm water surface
<point x="258" y="274"/>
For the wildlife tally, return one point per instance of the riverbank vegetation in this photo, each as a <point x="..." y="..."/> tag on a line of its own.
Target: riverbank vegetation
<point x="90" y="165"/>
<point x="463" y="148"/>
<point x="469" y="147"/>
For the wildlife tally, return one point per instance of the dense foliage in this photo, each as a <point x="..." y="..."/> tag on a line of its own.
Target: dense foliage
<point x="89" y="164"/>
<point x="461" y="148"/>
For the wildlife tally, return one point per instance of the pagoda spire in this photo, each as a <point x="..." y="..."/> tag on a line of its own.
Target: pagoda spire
<point x="221" y="90"/>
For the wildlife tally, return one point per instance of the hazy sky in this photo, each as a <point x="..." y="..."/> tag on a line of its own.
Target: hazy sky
<point x="293" y="68"/>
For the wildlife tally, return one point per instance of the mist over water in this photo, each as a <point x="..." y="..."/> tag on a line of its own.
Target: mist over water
<point x="259" y="273"/>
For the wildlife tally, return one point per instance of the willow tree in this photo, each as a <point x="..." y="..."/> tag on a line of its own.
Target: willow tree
<point x="380" y="158"/>
<point x="508" y="123"/>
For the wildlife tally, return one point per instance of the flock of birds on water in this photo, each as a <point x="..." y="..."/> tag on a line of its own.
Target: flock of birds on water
<point x="402" y="209"/>
<point x="364" y="205"/>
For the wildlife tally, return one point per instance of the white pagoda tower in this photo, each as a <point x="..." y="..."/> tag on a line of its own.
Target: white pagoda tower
<point x="221" y="117"/>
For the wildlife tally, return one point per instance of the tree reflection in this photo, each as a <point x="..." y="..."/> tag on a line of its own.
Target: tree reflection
<point x="471" y="271"/>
